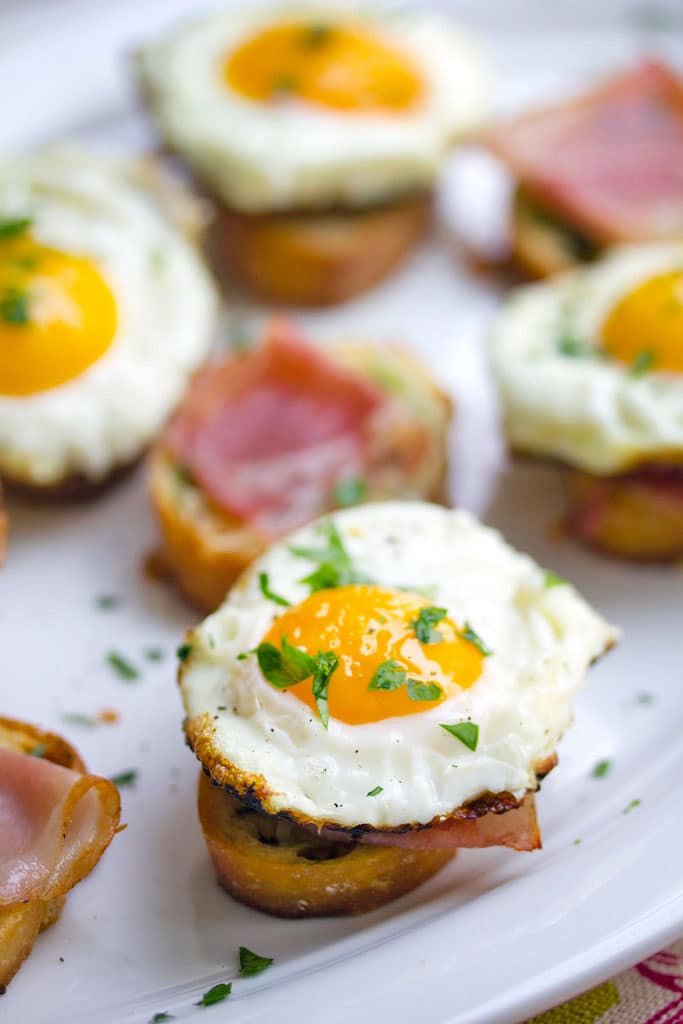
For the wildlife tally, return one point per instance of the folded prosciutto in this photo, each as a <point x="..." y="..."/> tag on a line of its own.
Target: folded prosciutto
<point x="608" y="163"/>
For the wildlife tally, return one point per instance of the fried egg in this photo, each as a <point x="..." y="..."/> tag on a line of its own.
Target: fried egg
<point x="311" y="107"/>
<point x="105" y="309"/>
<point x="590" y="365"/>
<point x="444" y="664"/>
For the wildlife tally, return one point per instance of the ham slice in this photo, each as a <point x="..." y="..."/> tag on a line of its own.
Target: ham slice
<point x="55" y="824"/>
<point x="267" y="435"/>
<point x="609" y="162"/>
<point x="494" y="821"/>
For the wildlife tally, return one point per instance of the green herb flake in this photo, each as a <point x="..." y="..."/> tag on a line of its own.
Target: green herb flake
<point x="388" y="676"/>
<point x="283" y="85"/>
<point x="423" y="691"/>
<point x="14" y="307"/>
<point x="317" y="34"/>
<point x="128" y="778"/>
<point x="154" y="654"/>
<point x="645" y="698"/>
<point x="123" y="668"/>
<point x="466" y="732"/>
<point x="642" y="363"/>
<point x="285" y="667"/>
<point x="376" y="791"/>
<point x="105" y="602"/>
<point x="424" y="623"/>
<point x="183" y="475"/>
<point x="468" y="633"/>
<point x="551" y="579"/>
<point x="216" y="994"/>
<point x="335" y="568"/>
<point x="15" y="226"/>
<point x="327" y="663"/>
<point x="158" y="1018"/>
<point x="251" y="963"/>
<point x="39" y="750"/>
<point x="632" y="806"/>
<point x="349" y="491"/>
<point x="601" y="769"/>
<point x="577" y="842"/>
<point x="243" y="655"/>
<point x="264" y="587"/>
<point x="183" y="652"/>
<point x="79" y="718"/>
<point x="570" y="347"/>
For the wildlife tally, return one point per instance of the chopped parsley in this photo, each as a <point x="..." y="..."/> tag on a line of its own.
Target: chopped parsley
<point x="466" y="732"/>
<point x="632" y="806"/>
<point x="154" y="654"/>
<point x="39" y="750"/>
<point x="642" y="363"/>
<point x="601" y="769"/>
<point x="284" y="84"/>
<point x="216" y="994"/>
<point x="243" y="655"/>
<point x="158" y="1018"/>
<point x="390" y="676"/>
<point x="79" y="718"/>
<point x="317" y="34"/>
<point x="570" y="347"/>
<point x="252" y="963"/>
<point x="349" y="491"/>
<point x="468" y="633"/>
<point x="645" y="698"/>
<point x="425" y="622"/>
<point x="327" y="663"/>
<point x="290" y="665"/>
<point x="376" y="791"/>
<point x="15" y="226"/>
<point x="128" y="778"/>
<point x="183" y="652"/>
<point x="423" y="691"/>
<point x="551" y="579"/>
<point x="107" y="601"/>
<point x="123" y="668"/>
<point x="335" y="568"/>
<point x="270" y="594"/>
<point x="14" y="307"/>
<point x="577" y="842"/>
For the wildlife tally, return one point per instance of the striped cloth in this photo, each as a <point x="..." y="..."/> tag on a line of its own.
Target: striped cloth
<point x="649" y="993"/>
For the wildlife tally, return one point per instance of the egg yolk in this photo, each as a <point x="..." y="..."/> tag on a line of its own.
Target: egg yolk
<point x="646" y="327"/>
<point x="57" y="316"/>
<point x="366" y="626"/>
<point x="343" y="67"/>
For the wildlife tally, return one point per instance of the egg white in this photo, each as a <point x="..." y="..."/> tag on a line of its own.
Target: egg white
<point x="260" y="156"/>
<point x="107" y="211"/>
<point x="589" y="411"/>
<point x="543" y="639"/>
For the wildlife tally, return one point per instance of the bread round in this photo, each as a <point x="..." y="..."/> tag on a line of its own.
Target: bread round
<point x="625" y="516"/>
<point x="316" y="259"/>
<point x="204" y="549"/>
<point x="540" y="246"/>
<point x="282" y="869"/>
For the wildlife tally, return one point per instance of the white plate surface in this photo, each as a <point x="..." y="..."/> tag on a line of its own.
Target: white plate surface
<point x="498" y="935"/>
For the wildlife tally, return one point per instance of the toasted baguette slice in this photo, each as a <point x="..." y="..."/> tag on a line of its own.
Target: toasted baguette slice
<point x="627" y="516"/>
<point x="315" y="259"/>
<point x="542" y="244"/>
<point x="204" y="549"/>
<point x="20" y="925"/>
<point x="284" y="870"/>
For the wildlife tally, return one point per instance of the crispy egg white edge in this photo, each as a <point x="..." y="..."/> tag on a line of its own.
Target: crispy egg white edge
<point x="592" y="413"/>
<point x="89" y="204"/>
<point x="543" y="641"/>
<point x="263" y="157"/>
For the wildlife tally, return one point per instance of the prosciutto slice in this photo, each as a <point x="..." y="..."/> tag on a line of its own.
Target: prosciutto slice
<point x="267" y="435"/>
<point x="609" y="162"/>
<point x="55" y="824"/>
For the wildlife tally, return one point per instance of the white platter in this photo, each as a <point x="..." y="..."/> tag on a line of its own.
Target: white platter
<point x="497" y="936"/>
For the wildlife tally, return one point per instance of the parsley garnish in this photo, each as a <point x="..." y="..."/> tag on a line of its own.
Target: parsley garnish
<point x="645" y="698"/>
<point x="349" y="491"/>
<point x="154" y="654"/>
<point x="570" y="347"/>
<point x="423" y="691"/>
<point x="632" y="806"/>
<point x="284" y="84"/>
<point x="551" y="579"/>
<point x="158" y="1018"/>
<point x="267" y="592"/>
<point x="290" y="665"/>
<point x="601" y="769"/>
<point x="390" y="676"/>
<point x="216" y="994"/>
<point x="466" y="732"/>
<point x="39" y="750"/>
<point x="424" y="623"/>
<point x="327" y="663"/>
<point x="128" y="778"/>
<point x="317" y="34"/>
<point x="243" y="655"/>
<point x="14" y="307"/>
<point x="469" y="634"/>
<point x="642" y="363"/>
<point x="252" y="963"/>
<point x="376" y="791"/>
<point x="124" y="668"/>
<point x="184" y="651"/>
<point x="14" y="227"/>
<point x="107" y="601"/>
<point x="78" y="718"/>
<point x="335" y="568"/>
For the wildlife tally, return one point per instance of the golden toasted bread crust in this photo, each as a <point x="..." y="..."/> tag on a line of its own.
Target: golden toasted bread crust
<point x="204" y="549"/>
<point x="20" y="925"/>
<point x="283" y="870"/>
<point x="315" y="259"/>
<point x="539" y="245"/>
